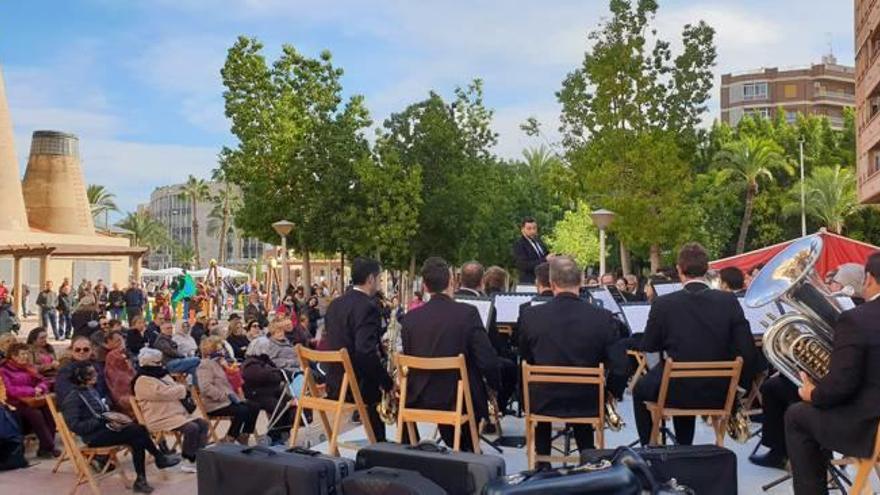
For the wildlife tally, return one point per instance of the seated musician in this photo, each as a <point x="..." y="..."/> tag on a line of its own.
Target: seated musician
<point x="471" y="285"/>
<point x="568" y="331"/>
<point x="840" y="412"/>
<point x="542" y="284"/>
<point x="445" y="328"/>
<point x="696" y="323"/>
<point x="733" y="280"/>
<point x="778" y="393"/>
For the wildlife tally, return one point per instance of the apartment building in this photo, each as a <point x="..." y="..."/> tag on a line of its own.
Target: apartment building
<point x="867" y="47"/>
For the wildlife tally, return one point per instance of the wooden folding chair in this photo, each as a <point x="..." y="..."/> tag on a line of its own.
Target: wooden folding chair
<point x="861" y="483"/>
<point x="158" y="435"/>
<point x="313" y="398"/>
<point x="562" y="375"/>
<point x="464" y="407"/>
<point x="82" y="456"/>
<point x="690" y="370"/>
<point x="641" y="370"/>
<point x="213" y="421"/>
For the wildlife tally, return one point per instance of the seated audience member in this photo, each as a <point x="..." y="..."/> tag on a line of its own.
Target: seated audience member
<point x="237" y="339"/>
<point x="263" y="384"/>
<point x="135" y="338"/>
<point x="118" y="372"/>
<point x="154" y="328"/>
<point x="99" y="339"/>
<point x="299" y="333"/>
<point x="85" y="316"/>
<point x="159" y="398"/>
<point x="849" y="280"/>
<point x="186" y="345"/>
<point x="256" y="311"/>
<point x="172" y="358"/>
<point x="83" y="410"/>
<point x="42" y="353"/>
<point x="733" y="280"/>
<point x="199" y="330"/>
<point x="219" y="397"/>
<point x="23" y="385"/>
<point x="81" y="351"/>
<point x="281" y="352"/>
<point x="216" y="330"/>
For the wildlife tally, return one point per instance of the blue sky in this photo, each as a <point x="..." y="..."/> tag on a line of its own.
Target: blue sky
<point x="139" y="82"/>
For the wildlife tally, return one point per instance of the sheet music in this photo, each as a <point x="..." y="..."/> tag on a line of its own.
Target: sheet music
<point x="527" y="289"/>
<point x="636" y="316"/>
<point x="608" y="302"/>
<point x="846" y="302"/>
<point x="484" y="307"/>
<point x="507" y="306"/>
<point x="756" y="315"/>
<point x="663" y="289"/>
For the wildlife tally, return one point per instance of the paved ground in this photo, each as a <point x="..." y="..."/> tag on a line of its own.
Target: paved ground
<point x="40" y="480"/>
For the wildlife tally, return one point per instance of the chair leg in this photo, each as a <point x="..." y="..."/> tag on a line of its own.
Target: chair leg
<point x="720" y="426"/>
<point x="530" y="444"/>
<point x="656" y="419"/>
<point x="861" y="481"/>
<point x="600" y="437"/>
<point x="456" y="439"/>
<point x="334" y="433"/>
<point x="411" y="428"/>
<point x="61" y="460"/>
<point x="475" y="435"/>
<point x="294" y="430"/>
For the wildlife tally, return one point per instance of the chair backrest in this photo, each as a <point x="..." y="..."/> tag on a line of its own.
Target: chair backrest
<point x="307" y="357"/>
<point x="136" y="409"/>
<point x="200" y="405"/>
<point x="406" y="364"/>
<point x="67" y="436"/>
<point x="571" y="375"/>
<point x="673" y="370"/>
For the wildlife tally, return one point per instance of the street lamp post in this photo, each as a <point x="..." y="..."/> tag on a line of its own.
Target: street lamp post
<point x="602" y="219"/>
<point x="803" y="191"/>
<point x="283" y="228"/>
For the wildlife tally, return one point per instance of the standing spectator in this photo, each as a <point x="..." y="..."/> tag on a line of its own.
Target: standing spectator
<point x="161" y="306"/>
<point x="102" y="295"/>
<point x="4" y="291"/>
<point x="9" y="321"/>
<point x="219" y="397"/>
<point x="83" y="411"/>
<point x="65" y="309"/>
<point x="255" y="310"/>
<point x="159" y="398"/>
<point x="116" y="302"/>
<point x="23" y="384"/>
<point x="314" y="313"/>
<point x="134" y="300"/>
<point x="47" y="301"/>
<point x="43" y="354"/>
<point x="118" y="372"/>
<point x="85" y="317"/>
<point x="25" y="293"/>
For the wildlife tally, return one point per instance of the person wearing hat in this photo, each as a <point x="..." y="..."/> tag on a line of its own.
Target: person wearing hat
<point x="263" y="385"/>
<point x="159" y="398"/>
<point x="849" y="280"/>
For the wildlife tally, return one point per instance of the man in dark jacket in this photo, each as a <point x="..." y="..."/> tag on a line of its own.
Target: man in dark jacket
<point x="116" y="302"/>
<point x="568" y="331"/>
<point x="134" y="300"/>
<point x="696" y="323"/>
<point x="840" y="412"/>
<point x="352" y="322"/>
<point x="445" y="328"/>
<point x="174" y="360"/>
<point x="528" y="251"/>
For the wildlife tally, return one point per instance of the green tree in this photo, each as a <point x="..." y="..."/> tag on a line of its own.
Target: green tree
<point x="145" y="230"/>
<point x="575" y="235"/>
<point x="101" y="202"/>
<point x="830" y="194"/>
<point x="748" y="161"/>
<point x="224" y="206"/>
<point x="195" y="190"/>
<point x="297" y="144"/>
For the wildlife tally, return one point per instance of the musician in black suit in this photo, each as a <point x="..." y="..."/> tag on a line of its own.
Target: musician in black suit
<point x="528" y="251"/>
<point x="568" y="331"/>
<point x="445" y="328"/>
<point x="353" y="322"/>
<point x="696" y="323"/>
<point x="733" y="280"/>
<point x="840" y="412"/>
<point x="471" y="285"/>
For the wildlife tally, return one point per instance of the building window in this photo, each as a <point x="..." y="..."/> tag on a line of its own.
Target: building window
<point x="763" y="113"/>
<point x="791" y="90"/>
<point x="755" y="91"/>
<point x="791" y="116"/>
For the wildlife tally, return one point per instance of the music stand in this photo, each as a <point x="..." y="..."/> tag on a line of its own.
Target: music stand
<point x="484" y="305"/>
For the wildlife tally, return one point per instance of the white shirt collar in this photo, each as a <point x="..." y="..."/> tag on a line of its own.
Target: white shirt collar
<point x="875" y="296"/>
<point x="696" y="281"/>
<point x="472" y="291"/>
<point x="362" y="291"/>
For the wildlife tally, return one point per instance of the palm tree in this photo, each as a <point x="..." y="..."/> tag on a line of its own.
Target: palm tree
<point x="747" y="162"/>
<point x="830" y="197"/>
<point x="145" y="230"/>
<point x="225" y="203"/>
<point x="195" y="190"/>
<point x="101" y="201"/>
<point x="184" y="255"/>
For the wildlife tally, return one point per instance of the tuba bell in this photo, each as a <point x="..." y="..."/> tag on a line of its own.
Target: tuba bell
<point x="387" y="407"/>
<point x="801" y="339"/>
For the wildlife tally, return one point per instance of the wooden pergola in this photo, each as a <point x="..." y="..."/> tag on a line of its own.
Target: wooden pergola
<point x="44" y="251"/>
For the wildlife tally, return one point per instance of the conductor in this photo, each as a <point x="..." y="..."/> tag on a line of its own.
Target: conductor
<point x="528" y="251"/>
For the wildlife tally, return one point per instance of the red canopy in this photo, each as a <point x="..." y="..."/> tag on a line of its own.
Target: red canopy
<point x="836" y="250"/>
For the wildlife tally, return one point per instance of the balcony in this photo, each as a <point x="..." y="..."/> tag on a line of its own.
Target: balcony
<point x="870" y="80"/>
<point x="869" y="136"/>
<point x="835" y="122"/>
<point x="840" y="96"/>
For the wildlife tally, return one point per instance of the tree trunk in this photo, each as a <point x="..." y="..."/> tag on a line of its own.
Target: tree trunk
<point x="412" y="278"/>
<point x="341" y="271"/>
<point x="224" y="226"/>
<point x="625" y="263"/>
<point x="195" y="236"/>
<point x="655" y="258"/>
<point x="746" y="220"/>
<point x="307" y="273"/>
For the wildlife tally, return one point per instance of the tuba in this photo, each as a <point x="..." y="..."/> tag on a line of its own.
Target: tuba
<point x="801" y="339"/>
<point x="387" y="407"/>
<point x="613" y="420"/>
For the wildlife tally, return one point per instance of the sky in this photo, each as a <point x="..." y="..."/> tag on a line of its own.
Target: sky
<point x="139" y="81"/>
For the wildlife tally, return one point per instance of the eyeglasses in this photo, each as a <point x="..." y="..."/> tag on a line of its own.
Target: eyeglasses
<point x="82" y="349"/>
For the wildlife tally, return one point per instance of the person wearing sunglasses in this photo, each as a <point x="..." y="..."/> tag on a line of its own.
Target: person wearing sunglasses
<point x="81" y="351"/>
